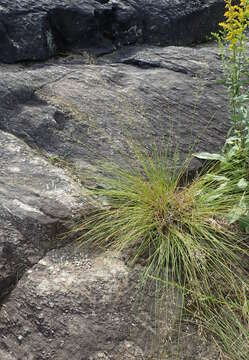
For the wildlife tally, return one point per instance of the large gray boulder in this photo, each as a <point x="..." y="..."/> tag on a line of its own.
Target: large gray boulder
<point x="73" y="305"/>
<point x="58" y="122"/>
<point x="83" y="114"/>
<point x="37" y="30"/>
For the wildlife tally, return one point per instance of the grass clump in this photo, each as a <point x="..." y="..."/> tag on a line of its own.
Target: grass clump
<point x="153" y="209"/>
<point x="182" y="232"/>
<point x="191" y="235"/>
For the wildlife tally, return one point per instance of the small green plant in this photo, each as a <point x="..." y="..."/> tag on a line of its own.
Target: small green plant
<point x="233" y="161"/>
<point x="232" y="42"/>
<point x="233" y="46"/>
<point x="181" y="231"/>
<point x="188" y="233"/>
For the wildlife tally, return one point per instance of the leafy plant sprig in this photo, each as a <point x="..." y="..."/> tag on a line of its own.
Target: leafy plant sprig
<point x="233" y="46"/>
<point x="232" y="42"/>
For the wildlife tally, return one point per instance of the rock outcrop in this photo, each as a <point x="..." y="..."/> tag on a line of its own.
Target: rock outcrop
<point x="37" y="30"/>
<point x="84" y="113"/>
<point x="85" y="307"/>
<point x="59" y="120"/>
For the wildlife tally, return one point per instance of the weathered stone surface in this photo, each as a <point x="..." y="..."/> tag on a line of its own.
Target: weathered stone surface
<point x="75" y="306"/>
<point x="37" y="30"/>
<point x="83" y="307"/>
<point x="84" y="113"/>
<point x="58" y="120"/>
<point x="35" y="200"/>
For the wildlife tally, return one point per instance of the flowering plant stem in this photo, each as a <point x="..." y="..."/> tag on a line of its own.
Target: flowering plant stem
<point x="232" y="40"/>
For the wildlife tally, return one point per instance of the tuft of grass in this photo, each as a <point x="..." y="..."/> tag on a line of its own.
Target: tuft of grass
<point x="228" y="322"/>
<point x="181" y="230"/>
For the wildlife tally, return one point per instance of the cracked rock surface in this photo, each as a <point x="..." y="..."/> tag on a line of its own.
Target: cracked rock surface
<point x="60" y="119"/>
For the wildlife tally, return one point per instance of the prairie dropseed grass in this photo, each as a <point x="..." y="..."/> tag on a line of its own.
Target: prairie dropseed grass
<point x="182" y="232"/>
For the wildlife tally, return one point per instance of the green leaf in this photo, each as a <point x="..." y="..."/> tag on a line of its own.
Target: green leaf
<point x="232" y="139"/>
<point x="218" y="178"/>
<point x="244" y="223"/>
<point x="220" y="81"/>
<point x="209" y="156"/>
<point x="242" y="184"/>
<point x="238" y="212"/>
<point x="235" y="215"/>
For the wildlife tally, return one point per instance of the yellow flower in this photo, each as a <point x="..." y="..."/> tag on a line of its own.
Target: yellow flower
<point x="236" y="22"/>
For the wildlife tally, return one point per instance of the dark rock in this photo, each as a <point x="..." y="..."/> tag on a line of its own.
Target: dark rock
<point x="37" y="30"/>
<point x="87" y="113"/>
<point x="58" y="121"/>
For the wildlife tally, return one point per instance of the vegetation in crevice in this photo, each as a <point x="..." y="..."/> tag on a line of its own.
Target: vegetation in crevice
<point x="192" y="236"/>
